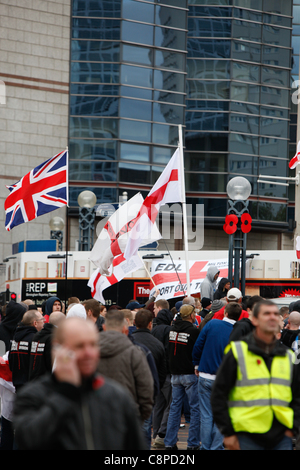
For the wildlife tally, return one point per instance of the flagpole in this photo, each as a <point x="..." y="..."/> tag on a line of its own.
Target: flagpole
<point x="185" y="231"/>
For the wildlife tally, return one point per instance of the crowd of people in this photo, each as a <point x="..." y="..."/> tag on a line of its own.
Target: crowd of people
<point x="88" y="376"/>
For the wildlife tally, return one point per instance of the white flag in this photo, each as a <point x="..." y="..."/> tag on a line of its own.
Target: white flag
<point x="119" y="269"/>
<point x="167" y="190"/>
<point x="114" y="237"/>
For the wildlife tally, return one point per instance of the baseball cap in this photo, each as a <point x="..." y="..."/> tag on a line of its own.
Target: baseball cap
<point x="186" y="310"/>
<point x="234" y="294"/>
<point x="133" y="305"/>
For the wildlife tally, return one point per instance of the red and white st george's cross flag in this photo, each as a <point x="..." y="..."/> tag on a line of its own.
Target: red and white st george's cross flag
<point x="114" y="237"/>
<point x="119" y="269"/>
<point x="296" y="159"/>
<point x="42" y="190"/>
<point x="167" y="190"/>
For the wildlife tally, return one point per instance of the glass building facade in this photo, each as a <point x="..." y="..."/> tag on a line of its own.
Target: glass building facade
<point x="221" y="68"/>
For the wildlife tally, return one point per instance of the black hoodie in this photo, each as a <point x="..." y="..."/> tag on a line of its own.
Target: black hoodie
<point x="19" y="356"/>
<point x="13" y="315"/>
<point x="182" y="338"/>
<point x="161" y="329"/>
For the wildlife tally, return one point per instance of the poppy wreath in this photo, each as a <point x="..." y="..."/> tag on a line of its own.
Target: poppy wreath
<point x="231" y="222"/>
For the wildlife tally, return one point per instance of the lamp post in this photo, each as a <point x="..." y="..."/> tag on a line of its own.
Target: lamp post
<point x="86" y="201"/>
<point x="56" y="225"/>
<point x="237" y="225"/>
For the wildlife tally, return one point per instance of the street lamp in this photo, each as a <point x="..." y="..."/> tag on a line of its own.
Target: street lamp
<point x="86" y="201"/>
<point x="237" y="225"/>
<point x="56" y="225"/>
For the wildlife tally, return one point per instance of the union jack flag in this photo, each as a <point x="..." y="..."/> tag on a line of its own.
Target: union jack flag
<point x="42" y="190"/>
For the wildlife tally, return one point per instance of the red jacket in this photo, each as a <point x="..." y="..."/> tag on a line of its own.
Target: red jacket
<point x="219" y="315"/>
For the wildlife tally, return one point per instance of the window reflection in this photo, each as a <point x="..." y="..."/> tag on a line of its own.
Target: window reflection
<point x="136" y="109"/>
<point x="138" y="11"/>
<point x="97" y="106"/>
<point x="132" y="172"/>
<point x="92" y="171"/>
<point x="138" y="153"/>
<point x="99" y="128"/>
<point x="135" y="130"/>
<point x="92" y="149"/>
<point x="137" y="33"/>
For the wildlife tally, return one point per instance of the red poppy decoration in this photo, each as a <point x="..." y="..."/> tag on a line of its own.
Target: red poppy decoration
<point x="246" y="220"/>
<point x="230" y="225"/>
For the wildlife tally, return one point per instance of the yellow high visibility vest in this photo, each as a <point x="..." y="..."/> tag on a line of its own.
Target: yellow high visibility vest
<point x="259" y="394"/>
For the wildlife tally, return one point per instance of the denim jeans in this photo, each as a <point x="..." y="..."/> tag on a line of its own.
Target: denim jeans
<point x="181" y="385"/>
<point x="211" y="438"/>
<point x="246" y="443"/>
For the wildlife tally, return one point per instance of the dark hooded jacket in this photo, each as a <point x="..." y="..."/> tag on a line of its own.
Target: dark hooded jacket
<point x="182" y="338"/>
<point x="8" y="325"/>
<point x="40" y="354"/>
<point x="221" y="292"/>
<point x="49" y="307"/>
<point x="161" y="330"/>
<point x="19" y="356"/>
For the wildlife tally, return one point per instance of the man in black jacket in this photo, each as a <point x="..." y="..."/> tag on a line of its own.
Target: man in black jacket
<point x="259" y="367"/>
<point x="162" y="404"/>
<point x="74" y="408"/>
<point x="142" y="334"/>
<point x="182" y="338"/>
<point x="41" y="345"/>
<point x="19" y="355"/>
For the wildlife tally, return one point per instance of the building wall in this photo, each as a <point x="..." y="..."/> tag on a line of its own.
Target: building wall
<point x="34" y="66"/>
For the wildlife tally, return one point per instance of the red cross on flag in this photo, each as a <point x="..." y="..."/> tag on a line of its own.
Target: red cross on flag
<point x="296" y="159"/>
<point x="167" y="190"/>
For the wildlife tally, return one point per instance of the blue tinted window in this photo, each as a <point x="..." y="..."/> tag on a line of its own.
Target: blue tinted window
<point x="83" y="127"/>
<point x="166" y="135"/>
<point x="204" y="69"/>
<point x="137" y="76"/>
<point x="94" y="72"/>
<point x="244" y="123"/>
<point x="133" y="10"/>
<point x="81" y="170"/>
<point x="137" y="55"/>
<point x="94" y="89"/>
<point x="170" y="38"/>
<point x="168" y="113"/>
<point x="135" y="92"/>
<point x="169" y="80"/>
<point x="161" y="155"/>
<point x="170" y="17"/>
<point x="95" y="29"/>
<point x="93" y="149"/>
<point x="97" y="106"/>
<point x="137" y="33"/>
<point x="170" y="59"/>
<point x="133" y="173"/>
<point x="135" y="130"/>
<point x="136" y="109"/>
<point x="100" y="51"/>
<point x="103" y="194"/>
<point x="209" y="27"/>
<point x="207" y="121"/>
<point x="208" y="90"/>
<point x="208" y="48"/>
<point x="132" y="152"/>
<point x="103" y="8"/>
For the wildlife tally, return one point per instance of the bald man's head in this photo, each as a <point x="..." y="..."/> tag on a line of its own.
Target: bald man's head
<point x="294" y="320"/>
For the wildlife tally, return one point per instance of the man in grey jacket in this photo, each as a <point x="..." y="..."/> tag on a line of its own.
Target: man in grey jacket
<point x="125" y="362"/>
<point x="209" y="284"/>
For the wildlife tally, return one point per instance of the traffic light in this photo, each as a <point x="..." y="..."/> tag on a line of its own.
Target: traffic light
<point x="13" y="296"/>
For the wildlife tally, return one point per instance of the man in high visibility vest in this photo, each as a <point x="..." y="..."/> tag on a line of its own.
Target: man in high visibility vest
<point x="256" y="395"/>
